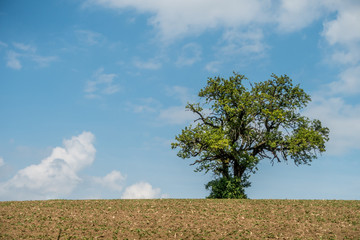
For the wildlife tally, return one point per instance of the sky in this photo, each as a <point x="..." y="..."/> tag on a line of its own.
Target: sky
<point x="92" y="92"/>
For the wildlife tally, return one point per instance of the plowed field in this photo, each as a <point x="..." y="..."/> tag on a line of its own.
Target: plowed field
<point x="180" y="219"/>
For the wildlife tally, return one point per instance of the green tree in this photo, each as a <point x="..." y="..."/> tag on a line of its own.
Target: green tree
<point x="239" y="126"/>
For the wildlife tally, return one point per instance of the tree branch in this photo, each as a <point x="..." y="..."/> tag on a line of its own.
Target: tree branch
<point x="204" y="120"/>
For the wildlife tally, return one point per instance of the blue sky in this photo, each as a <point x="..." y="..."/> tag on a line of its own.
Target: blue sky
<point x="92" y="92"/>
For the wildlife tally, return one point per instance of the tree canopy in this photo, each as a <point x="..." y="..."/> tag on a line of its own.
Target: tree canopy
<point x="240" y="124"/>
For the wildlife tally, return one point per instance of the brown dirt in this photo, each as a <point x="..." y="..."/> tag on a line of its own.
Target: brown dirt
<point x="180" y="219"/>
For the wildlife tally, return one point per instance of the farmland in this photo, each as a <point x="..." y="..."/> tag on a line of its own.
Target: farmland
<point x="180" y="219"/>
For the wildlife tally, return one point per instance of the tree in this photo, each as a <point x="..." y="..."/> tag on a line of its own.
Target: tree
<point x="239" y="126"/>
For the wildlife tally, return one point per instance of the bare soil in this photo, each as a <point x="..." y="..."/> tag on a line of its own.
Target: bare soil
<point x="180" y="219"/>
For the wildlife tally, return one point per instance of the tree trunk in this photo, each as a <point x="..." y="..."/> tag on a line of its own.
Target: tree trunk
<point x="225" y="169"/>
<point x="238" y="169"/>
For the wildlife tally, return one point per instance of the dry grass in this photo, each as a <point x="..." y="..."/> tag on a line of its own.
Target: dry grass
<point x="180" y="219"/>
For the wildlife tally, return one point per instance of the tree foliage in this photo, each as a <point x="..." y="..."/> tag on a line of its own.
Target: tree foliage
<point x="227" y="187"/>
<point x="238" y="126"/>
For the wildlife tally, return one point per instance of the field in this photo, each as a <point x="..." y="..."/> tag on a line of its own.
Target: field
<point x="180" y="219"/>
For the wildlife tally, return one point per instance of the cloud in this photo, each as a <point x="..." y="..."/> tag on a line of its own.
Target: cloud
<point x="243" y="22"/>
<point x="349" y="82"/>
<point x="343" y="36"/>
<point x="170" y="115"/>
<point x="27" y="52"/>
<point x="101" y="84"/>
<point x="24" y="47"/>
<point x="341" y="118"/>
<point x="55" y="176"/>
<point x="297" y="14"/>
<point x="142" y="190"/>
<point x="181" y="93"/>
<point x="343" y="33"/>
<point x="89" y="37"/>
<point x="345" y="28"/>
<point x="190" y="54"/>
<point x="176" y="115"/>
<point x="13" y="60"/>
<point x="179" y="18"/>
<point x="346" y="55"/>
<point x="43" y="61"/>
<point x="2" y="44"/>
<point x="247" y="42"/>
<point x="213" y="66"/>
<point x="147" y="105"/>
<point x="114" y="181"/>
<point x="58" y="176"/>
<point x="152" y="64"/>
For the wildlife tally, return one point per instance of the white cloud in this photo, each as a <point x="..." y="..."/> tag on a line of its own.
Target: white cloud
<point x="24" y="47"/>
<point x="2" y="44"/>
<point x="190" y="54"/>
<point x="181" y="93"/>
<point x="343" y="33"/>
<point x="343" y="36"/>
<point x="13" y="60"/>
<point x="176" y="115"/>
<point x="343" y="121"/>
<point x="296" y="14"/>
<point x="213" y="66"/>
<point x="243" y="42"/>
<point x="43" y="61"/>
<point x="345" y="28"/>
<point x="142" y="190"/>
<point x="349" y="82"/>
<point x="152" y="64"/>
<point x="114" y="181"/>
<point x="89" y="37"/>
<point x="27" y="52"/>
<point x="56" y="175"/>
<point x="170" y="115"/>
<point x="148" y="105"/>
<point x="179" y="18"/>
<point x="346" y="56"/>
<point x="242" y="21"/>
<point x="102" y="84"/>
